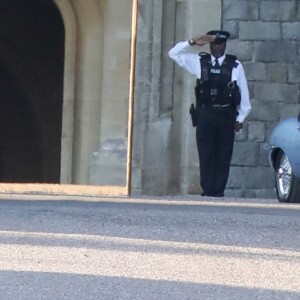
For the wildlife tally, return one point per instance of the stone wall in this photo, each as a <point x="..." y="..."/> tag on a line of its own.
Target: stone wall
<point x="152" y="143"/>
<point x="164" y="158"/>
<point x="266" y="38"/>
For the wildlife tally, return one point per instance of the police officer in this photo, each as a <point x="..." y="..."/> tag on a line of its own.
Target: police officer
<point x="222" y="104"/>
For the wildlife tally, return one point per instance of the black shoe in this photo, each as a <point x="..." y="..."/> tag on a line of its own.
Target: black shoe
<point x="216" y="195"/>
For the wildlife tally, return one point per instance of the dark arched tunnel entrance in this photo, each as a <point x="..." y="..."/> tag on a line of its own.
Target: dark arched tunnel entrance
<point x="31" y="90"/>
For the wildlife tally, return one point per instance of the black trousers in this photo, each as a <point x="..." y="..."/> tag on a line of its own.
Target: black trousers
<point x="215" y="138"/>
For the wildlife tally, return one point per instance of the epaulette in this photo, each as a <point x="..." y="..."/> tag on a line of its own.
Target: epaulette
<point x="232" y="60"/>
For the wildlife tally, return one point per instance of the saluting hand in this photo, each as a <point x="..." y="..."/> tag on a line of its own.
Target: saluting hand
<point x="203" y="39"/>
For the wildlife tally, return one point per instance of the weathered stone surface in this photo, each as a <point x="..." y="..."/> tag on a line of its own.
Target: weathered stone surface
<point x="266" y="194"/>
<point x="262" y="111"/>
<point x="235" y="179"/>
<point x="249" y="193"/>
<point x="260" y="193"/>
<point x="259" y="178"/>
<point x="263" y="155"/>
<point x="193" y="186"/>
<point x="245" y="154"/>
<point x="279" y="92"/>
<point x="136" y="182"/>
<point x="291" y="31"/>
<point x="282" y="10"/>
<point x="297" y="18"/>
<point x="256" y="131"/>
<point x="243" y="50"/>
<point x="288" y="111"/>
<point x="234" y="193"/>
<point x="111" y="157"/>
<point x="270" y="126"/>
<point x="240" y="10"/>
<point x="156" y="172"/>
<point x="293" y="73"/>
<point x="251" y="85"/>
<point x="259" y="31"/>
<point x="232" y="27"/>
<point x="255" y="71"/>
<point x="264" y="51"/>
<point x="276" y="72"/>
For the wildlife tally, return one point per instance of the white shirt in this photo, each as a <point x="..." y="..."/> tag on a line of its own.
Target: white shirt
<point x="186" y="57"/>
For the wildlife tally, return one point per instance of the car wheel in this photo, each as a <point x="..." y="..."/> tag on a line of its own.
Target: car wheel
<point x="287" y="185"/>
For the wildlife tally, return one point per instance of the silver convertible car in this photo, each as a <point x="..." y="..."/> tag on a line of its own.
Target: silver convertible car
<point x="284" y="157"/>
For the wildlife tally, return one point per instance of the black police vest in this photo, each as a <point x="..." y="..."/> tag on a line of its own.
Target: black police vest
<point x="215" y="87"/>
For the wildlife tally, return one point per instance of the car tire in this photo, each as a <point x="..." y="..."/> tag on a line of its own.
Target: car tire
<point x="287" y="185"/>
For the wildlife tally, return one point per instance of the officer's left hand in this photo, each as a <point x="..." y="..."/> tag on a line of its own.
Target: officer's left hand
<point x="238" y="126"/>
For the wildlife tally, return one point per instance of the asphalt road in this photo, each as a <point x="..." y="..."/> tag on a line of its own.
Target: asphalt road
<point x="64" y="247"/>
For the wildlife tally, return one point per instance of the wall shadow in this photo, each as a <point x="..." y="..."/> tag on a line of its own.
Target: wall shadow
<point x="36" y="285"/>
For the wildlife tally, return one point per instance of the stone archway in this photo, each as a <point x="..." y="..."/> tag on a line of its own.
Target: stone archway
<point x="32" y="64"/>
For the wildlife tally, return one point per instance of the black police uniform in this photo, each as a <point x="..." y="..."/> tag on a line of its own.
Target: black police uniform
<point x="221" y="103"/>
<point x="217" y="98"/>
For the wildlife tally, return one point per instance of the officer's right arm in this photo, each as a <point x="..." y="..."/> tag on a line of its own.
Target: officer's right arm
<point x="186" y="57"/>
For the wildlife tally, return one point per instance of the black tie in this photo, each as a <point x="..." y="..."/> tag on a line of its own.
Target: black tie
<point x="217" y="63"/>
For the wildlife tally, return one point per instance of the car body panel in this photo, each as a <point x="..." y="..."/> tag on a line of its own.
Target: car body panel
<point x="286" y="137"/>
<point x="296" y="146"/>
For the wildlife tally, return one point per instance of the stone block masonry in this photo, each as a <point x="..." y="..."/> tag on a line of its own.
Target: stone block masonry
<point x="266" y="38"/>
